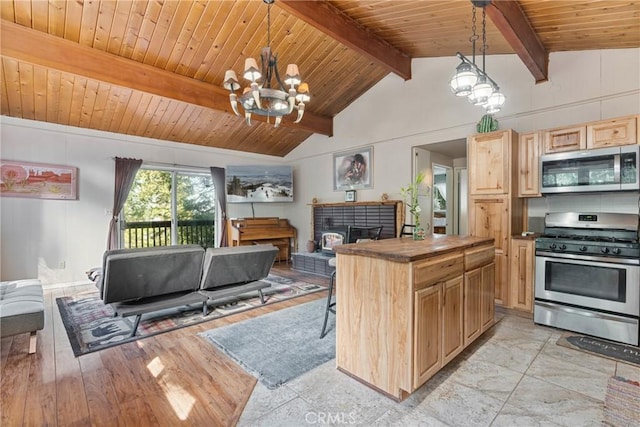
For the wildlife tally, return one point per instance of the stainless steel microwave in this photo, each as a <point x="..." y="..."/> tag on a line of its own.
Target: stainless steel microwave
<point x="603" y="169"/>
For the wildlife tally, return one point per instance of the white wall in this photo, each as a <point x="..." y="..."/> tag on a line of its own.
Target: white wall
<point x="37" y="236"/>
<point x="58" y="240"/>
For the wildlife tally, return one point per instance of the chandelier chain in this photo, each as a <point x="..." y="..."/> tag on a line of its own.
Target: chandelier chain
<point x="269" y="25"/>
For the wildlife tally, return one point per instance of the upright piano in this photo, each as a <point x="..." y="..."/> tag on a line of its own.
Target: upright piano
<point x="252" y="231"/>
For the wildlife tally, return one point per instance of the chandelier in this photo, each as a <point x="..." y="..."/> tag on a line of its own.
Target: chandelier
<point x="267" y="94"/>
<point x="470" y="80"/>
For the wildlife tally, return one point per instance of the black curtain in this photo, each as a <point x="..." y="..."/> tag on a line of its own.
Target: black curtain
<point x="126" y="170"/>
<point x="217" y="174"/>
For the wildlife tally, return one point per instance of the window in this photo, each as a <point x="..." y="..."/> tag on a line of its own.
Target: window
<point x="169" y="207"/>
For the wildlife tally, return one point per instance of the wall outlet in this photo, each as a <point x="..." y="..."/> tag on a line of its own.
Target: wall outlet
<point x="108" y="212"/>
<point x="62" y="264"/>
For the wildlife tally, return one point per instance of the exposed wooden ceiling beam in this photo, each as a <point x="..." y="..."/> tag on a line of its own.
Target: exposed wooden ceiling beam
<point x="329" y="20"/>
<point x="508" y="17"/>
<point x="36" y="47"/>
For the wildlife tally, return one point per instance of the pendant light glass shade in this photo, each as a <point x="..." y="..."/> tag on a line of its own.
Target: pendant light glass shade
<point x="462" y="82"/>
<point x="481" y="91"/>
<point x="495" y="102"/>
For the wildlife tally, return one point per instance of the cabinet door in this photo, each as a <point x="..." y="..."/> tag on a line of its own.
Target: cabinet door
<point x="489" y="161"/>
<point x="611" y="133"/>
<point x="487" y="298"/>
<point x="522" y="257"/>
<point x="565" y="139"/>
<point x="472" y="305"/>
<point x="427" y="353"/>
<point x="501" y="281"/>
<point x="452" y="324"/>
<point x="529" y="165"/>
<point x="489" y="217"/>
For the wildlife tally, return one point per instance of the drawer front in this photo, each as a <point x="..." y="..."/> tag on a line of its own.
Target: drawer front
<point x="437" y="269"/>
<point x="477" y="257"/>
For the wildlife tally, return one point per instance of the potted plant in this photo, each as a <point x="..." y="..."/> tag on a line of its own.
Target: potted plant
<point x="410" y="195"/>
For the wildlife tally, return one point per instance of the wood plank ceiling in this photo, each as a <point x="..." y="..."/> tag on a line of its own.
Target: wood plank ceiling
<point x="155" y="68"/>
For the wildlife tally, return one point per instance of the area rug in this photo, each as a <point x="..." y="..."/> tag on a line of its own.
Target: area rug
<point x="611" y="350"/>
<point x="621" y="403"/>
<point x="91" y="325"/>
<point x="279" y="346"/>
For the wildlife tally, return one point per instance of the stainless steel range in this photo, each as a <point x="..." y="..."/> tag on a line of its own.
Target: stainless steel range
<point x="588" y="274"/>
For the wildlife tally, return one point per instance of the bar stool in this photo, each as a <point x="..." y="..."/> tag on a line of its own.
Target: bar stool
<point x="360" y="234"/>
<point x="331" y="303"/>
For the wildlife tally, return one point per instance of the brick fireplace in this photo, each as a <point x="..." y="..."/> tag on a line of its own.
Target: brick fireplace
<point x="336" y="217"/>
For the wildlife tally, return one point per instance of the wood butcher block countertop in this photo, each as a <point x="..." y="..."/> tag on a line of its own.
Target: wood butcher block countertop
<point x="405" y="249"/>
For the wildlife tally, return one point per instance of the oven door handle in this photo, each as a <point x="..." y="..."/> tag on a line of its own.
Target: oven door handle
<point x="627" y="261"/>
<point x="585" y="313"/>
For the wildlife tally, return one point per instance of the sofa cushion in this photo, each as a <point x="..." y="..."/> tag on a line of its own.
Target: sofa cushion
<point x="236" y="265"/>
<point x="134" y="274"/>
<point x="21" y="307"/>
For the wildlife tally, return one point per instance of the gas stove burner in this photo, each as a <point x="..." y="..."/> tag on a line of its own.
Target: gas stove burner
<point x="610" y="235"/>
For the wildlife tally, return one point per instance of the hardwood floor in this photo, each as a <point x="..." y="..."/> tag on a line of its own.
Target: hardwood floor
<point x="167" y="379"/>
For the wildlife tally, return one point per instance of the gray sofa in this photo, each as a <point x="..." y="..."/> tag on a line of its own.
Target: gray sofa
<point x="21" y="309"/>
<point x="139" y="281"/>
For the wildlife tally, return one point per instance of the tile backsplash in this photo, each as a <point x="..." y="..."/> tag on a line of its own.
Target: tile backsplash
<point x="619" y="202"/>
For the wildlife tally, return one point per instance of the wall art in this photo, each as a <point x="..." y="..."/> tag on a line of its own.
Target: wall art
<point x="353" y="169"/>
<point x="38" y="180"/>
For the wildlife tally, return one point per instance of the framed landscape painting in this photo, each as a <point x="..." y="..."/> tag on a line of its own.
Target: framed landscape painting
<point x="353" y="169"/>
<point x="38" y="180"/>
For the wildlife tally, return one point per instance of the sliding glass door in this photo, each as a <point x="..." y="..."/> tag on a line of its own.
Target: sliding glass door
<point x="169" y="207"/>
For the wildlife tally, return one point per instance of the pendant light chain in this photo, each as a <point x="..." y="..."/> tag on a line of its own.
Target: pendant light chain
<point x="484" y="35"/>
<point x="474" y="35"/>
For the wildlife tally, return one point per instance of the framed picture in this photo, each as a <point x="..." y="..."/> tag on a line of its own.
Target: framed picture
<point x="350" y="196"/>
<point x="353" y="169"/>
<point x="38" y="180"/>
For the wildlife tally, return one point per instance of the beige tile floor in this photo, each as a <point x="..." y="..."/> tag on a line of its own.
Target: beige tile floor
<point x="515" y="375"/>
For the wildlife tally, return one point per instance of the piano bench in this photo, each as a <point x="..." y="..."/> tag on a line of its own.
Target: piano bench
<point x="281" y="244"/>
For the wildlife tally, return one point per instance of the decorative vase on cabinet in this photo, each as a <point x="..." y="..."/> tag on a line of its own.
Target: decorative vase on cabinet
<point x="311" y="246"/>
<point x="418" y="230"/>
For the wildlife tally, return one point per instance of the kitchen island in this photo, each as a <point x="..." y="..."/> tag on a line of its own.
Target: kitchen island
<point x="406" y="308"/>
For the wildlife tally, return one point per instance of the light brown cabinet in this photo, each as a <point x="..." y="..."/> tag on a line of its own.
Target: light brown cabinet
<point x="529" y="150"/>
<point x="402" y="313"/>
<point x="438" y="326"/>
<point x="427" y="344"/>
<point x="612" y="133"/>
<point x="452" y="319"/>
<point x="565" y="139"/>
<point x="490" y="154"/>
<point x="487" y="306"/>
<point x="479" y="307"/>
<point x="522" y="274"/>
<point x="592" y="135"/>
<point x="491" y="217"/>
<point x="494" y="208"/>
